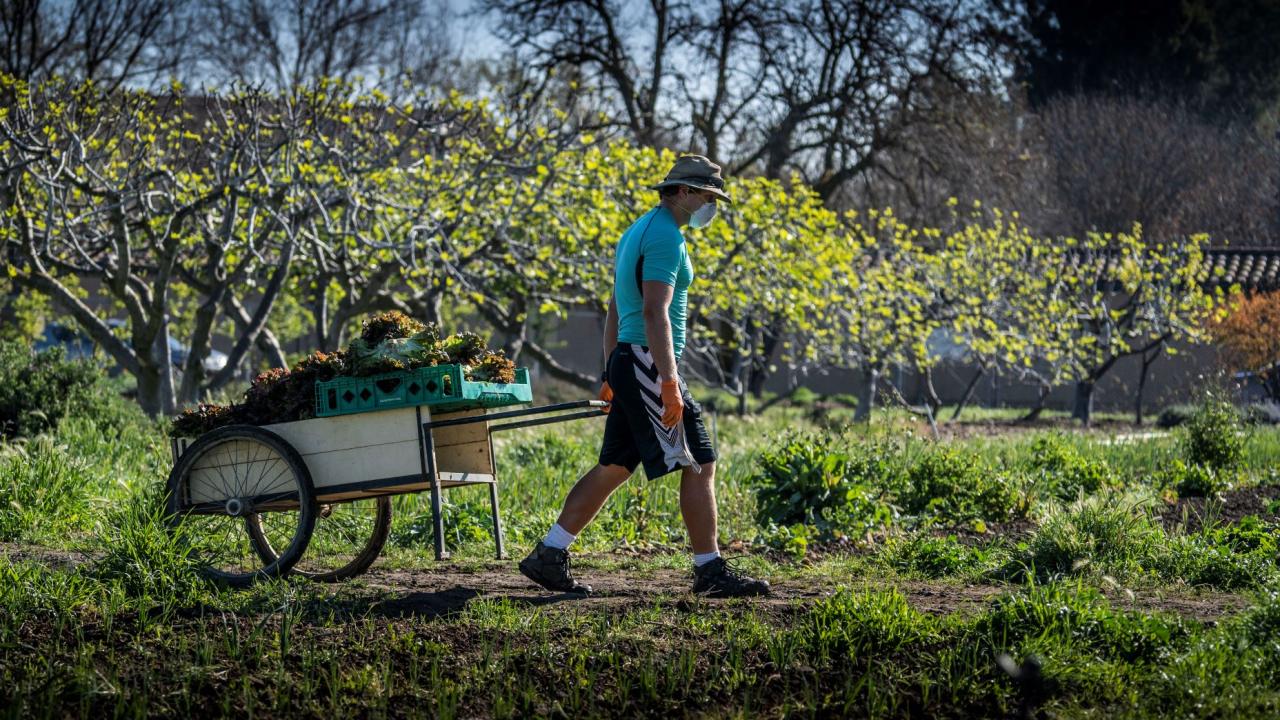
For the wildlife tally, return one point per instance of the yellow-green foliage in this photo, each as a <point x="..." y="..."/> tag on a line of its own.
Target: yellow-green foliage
<point x="507" y="206"/>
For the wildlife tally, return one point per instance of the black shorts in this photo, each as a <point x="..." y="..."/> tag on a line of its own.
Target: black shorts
<point x="634" y="433"/>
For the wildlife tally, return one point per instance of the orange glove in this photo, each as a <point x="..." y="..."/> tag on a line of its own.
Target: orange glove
<point x="606" y="394"/>
<point x="672" y="403"/>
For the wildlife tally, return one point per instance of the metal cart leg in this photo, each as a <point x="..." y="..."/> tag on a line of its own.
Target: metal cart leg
<point x="433" y="477"/>
<point x="429" y="470"/>
<point x="437" y="517"/>
<point x="493" y="502"/>
<point x="497" y="524"/>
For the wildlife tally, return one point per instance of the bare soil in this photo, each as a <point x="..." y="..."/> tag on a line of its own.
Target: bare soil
<point x="436" y="592"/>
<point x="444" y="589"/>
<point x="1227" y="508"/>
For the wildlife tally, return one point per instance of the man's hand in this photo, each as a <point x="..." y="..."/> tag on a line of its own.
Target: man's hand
<point x="672" y="403"/>
<point x="606" y="394"/>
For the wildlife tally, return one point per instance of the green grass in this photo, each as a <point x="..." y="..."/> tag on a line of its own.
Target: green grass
<point x="104" y="612"/>
<point x="291" y="648"/>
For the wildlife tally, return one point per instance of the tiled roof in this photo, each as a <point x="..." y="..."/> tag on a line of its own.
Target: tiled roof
<point x="1251" y="268"/>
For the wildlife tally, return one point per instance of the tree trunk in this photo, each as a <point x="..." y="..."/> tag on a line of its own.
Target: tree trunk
<point x="1083" y="409"/>
<point x="258" y="322"/>
<point x="193" y="374"/>
<point x="968" y="393"/>
<point x="320" y="316"/>
<point x="149" y="395"/>
<point x="267" y="342"/>
<point x="740" y="382"/>
<point x="1035" y="412"/>
<point x="168" y="394"/>
<point x="1147" y="360"/>
<point x="760" y="363"/>
<point x="155" y="380"/>
<point x="931" y="398"/>
<point x="867" y="394"/>
<point x="515" y="343"/>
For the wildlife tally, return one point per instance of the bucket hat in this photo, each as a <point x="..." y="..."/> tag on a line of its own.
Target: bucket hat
<point x="695" y="171"/>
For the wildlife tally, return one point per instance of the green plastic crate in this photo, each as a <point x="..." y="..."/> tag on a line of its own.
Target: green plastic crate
<point x="441" y="387"/>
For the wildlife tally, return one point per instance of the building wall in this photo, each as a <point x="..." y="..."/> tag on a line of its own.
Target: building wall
<point x="1171" y="379"/>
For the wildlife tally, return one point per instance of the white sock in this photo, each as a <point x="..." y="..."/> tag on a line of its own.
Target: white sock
<point x="559" y="538"/>
<point x="700" y="559"/>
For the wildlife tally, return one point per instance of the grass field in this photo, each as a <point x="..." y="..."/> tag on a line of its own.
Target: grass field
<point x="907" y="572"/>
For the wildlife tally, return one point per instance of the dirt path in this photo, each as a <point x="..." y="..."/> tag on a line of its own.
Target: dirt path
<point x="445" y="589"/>
<point x="436" y="592"/>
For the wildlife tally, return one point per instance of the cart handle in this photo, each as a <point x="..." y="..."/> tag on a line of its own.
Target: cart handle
<point x="597" y="410"/>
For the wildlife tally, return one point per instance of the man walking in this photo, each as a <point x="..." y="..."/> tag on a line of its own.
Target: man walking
<point x="652" y="418"/>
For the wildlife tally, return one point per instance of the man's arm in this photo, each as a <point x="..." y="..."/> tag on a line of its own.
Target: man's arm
<point x="610" y="329"/>
<point x="657" y="327"/>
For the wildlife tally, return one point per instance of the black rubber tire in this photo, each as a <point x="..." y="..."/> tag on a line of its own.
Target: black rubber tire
<point x="297" y="496"/>
<point x="364" y="557"/>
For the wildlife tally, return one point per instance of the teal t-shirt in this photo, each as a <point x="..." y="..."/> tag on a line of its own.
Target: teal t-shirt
<point x="651" y="249"/>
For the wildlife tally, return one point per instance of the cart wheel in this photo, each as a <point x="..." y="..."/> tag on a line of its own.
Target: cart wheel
<point x="347" y="539"/>
<point x="234" y="478"/>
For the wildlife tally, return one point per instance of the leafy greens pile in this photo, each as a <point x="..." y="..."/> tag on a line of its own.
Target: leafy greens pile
<point x="388" y="342"/>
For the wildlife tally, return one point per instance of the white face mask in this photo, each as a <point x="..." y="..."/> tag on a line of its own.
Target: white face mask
<point x="703" y="215"/>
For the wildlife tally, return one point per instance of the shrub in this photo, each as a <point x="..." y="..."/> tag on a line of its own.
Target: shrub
<point x="810" y="480"/>
<point x="1175" y="415"/>
<point x="1198" y="560"/>
<point x="790" y="539"/>
<point x="847" y="399"/>
<point x="852" y="624"/>
<point x="1063" y="471"/>
<point x="1250" y="535"/>
<point x="950" y="485"/>
<point x="1213" y="436"/>
<point x="935" y="557"/>
<point x="1113" y="534"/>
<point x="1057" y="614"/>
<point x="1194" y="480"/>
<point x="803" y="396"/>
<point x="39" y="389"/>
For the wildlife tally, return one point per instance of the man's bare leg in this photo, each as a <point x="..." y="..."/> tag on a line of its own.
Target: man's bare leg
<point x="698" y="507"/>
<point x="712" y="576"/>
<point x="548" y="563"/>
<point x="589" y="494"/>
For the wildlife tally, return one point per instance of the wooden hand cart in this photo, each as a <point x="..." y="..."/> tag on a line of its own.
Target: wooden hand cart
<point x="312" y="497"/>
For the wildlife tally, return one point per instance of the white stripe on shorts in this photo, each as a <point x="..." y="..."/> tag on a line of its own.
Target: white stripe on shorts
<point x="675" y="447"/>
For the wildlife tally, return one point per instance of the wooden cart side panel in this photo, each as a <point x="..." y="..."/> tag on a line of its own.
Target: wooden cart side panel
<point x="467" y="458"/>
<point x="374" y="446"/>
<point x="374" y="489"/>
<point x="462" y="448"/>
<point x="353" y="448"/>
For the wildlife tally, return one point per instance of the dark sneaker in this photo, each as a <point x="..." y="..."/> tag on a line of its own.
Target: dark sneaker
<point x="716" y="579"/>
<point x="549" y="567"/>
